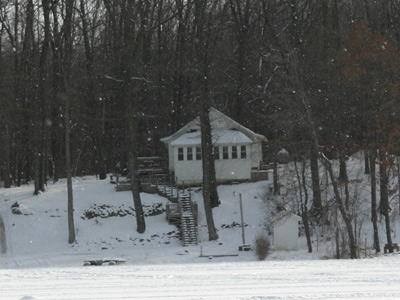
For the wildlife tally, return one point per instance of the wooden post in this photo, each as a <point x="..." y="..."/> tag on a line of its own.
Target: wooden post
<point x="241" y="217"/>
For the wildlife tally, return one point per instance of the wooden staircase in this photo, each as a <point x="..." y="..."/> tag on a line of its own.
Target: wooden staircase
<point x="182" y="212"/>
<point x="188" y="223"/>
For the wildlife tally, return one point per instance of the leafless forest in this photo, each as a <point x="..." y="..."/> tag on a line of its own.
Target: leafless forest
<point x="113" y="77"/>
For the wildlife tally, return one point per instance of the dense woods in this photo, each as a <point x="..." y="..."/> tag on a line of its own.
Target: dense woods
<point x="87" y="83"/>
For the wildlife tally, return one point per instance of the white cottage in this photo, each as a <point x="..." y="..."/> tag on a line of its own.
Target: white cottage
<point x="237" y="151"/>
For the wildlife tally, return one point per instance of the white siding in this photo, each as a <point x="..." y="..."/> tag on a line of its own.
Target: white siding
<point x="191" y="172"/>
<point x="256" y="154"/>
<point x="286" y="233"/>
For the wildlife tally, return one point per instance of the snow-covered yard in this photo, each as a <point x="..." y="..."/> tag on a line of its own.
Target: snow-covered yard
<point x="106" y="227"/>
<point x="40" y="264"/>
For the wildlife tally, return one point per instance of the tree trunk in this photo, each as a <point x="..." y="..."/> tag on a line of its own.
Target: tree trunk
<point x="43" y="94"/>
<point x="366" y="163"/>
<point x="7" y="159"/>
<point x="3" y="240"/>
<point x="71" y="226"/>
<point x="240" y="10"/>
<point x="343" y="211"/>
<point x="342" y="166"/>
<point x="31" y="100"/>
<point x="374" y="214"/>
<point x="384" y="204"/>
<point x="208" y="168"/>
<point x="67" y="60"/>
<point x="317" y="200"/>
<point x="304" y="205"/>
<point x="134" y="171"/>
<point x="337" y="240"/>
<point x="201" y="43"/>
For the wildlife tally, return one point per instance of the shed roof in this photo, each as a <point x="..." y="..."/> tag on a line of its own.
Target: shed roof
<point x="284" y="216"/>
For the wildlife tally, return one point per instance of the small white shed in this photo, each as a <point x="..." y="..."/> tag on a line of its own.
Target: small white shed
<point x="286" y="231"/>
<point x="237" y="150"/>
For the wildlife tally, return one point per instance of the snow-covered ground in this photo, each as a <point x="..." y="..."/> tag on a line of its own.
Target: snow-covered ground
<point x="297" y="279"/>
<point x="38" y="236"/>
<point x="40" y="264"/>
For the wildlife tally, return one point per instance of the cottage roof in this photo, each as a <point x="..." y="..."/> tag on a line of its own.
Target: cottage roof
<point x="219" y="137"/>
<point x="219" y="122"/>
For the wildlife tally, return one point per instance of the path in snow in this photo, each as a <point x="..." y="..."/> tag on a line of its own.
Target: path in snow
<point x="313" y="279"/>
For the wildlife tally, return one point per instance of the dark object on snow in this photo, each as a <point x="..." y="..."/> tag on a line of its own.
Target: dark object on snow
<point x="15" y="209"/>
<point x="100" y="262"/>
<point x="395" y="246"/>
<point x="245" y="248"/>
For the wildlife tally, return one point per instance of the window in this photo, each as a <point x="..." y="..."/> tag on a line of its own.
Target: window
<point x="180" y="153"/>
<point x="234" y="152"/>
<point x="198" y="153"/>
<point x="225" y="153"/>
<point x="243" y="152"/>
<point x="216" y="152"/>
<point x="189" y="153"/>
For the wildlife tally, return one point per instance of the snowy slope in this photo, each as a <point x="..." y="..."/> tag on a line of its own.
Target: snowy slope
<point x="38" y="236"/>
<point x="40" y="264"/>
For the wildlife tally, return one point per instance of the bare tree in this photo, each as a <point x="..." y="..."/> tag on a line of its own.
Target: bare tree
<point x="67" y="97"/>
<point x="344" y="210"/>
<point x="301" y="179"/>
<point x="202" y="44"/>
<point x="374" y="214"/>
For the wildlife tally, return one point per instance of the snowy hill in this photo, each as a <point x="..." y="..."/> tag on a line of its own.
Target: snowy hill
<point x="37" y="234"/>
<point x="40" y="264"/>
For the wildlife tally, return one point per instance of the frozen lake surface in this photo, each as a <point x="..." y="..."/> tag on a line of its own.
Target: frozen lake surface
<point x="308" y="279"/>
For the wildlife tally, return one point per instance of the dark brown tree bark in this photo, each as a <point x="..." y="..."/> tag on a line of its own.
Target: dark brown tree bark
<point x="304" y="204"/>
<point x="131" y="54"/>
<point x="202" y="53"/>
<point x="134" y="170"/>
<point x="367" y="168"/>
<point x="67" y="99"/>
<point x="241" y="13"/>
<point x="208" y="168"/>
<point x="347" y="218"/>
<point x="374" y="214"/>
<point x="71" y="224"/>
<point x="314" y="153"/>
<point x="44" y="94"/>
<point x="384" y="206"/>
<point x="3" y="240"/>
<point x="7" y="158"/>
<point x="30" y="94"/>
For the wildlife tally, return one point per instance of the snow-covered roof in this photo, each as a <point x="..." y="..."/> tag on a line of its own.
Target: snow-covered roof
<point x="281" y="217"/>
<point x="219" y="137"/>
<point x="218" y="121"/>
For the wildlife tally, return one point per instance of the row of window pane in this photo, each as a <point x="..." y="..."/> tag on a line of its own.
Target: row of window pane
<point x="225" y="153"/>
<point x="189" y="153"/>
